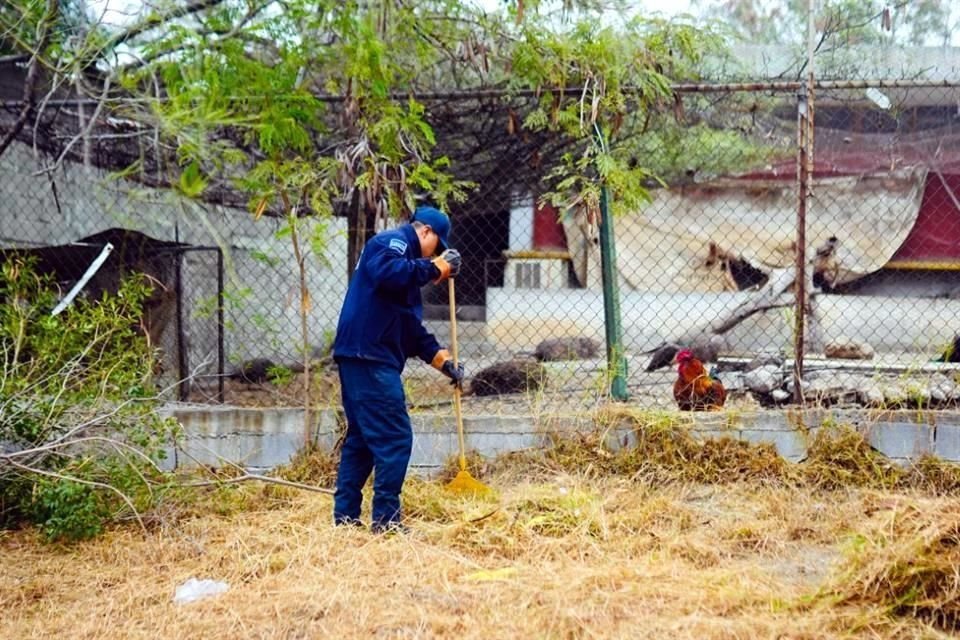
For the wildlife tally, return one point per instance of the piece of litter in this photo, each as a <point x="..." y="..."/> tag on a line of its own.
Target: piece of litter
<point x="193" y="590"/>
<point x="878" y="98"/>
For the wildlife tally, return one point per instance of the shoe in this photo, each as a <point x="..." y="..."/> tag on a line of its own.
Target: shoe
<point x="347" y="522"/>
<point x="389" y="528"/>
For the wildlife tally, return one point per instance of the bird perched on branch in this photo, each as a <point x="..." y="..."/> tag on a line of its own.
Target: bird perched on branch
<point x="695" y="389"/>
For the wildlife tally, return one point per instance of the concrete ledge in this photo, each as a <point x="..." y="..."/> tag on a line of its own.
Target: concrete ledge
<point x="946" y="442"/>
<point x="264" y="438"/>
<point x="257" y="439"/>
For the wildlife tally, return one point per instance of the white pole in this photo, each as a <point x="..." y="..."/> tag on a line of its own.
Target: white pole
<point x="81" y="283"/>
<point x="811" y="32"/>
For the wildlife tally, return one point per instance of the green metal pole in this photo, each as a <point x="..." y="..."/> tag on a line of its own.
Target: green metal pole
<point x="616" y="362"/>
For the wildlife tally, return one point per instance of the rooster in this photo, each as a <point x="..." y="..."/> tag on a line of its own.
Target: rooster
<point x="695" y="389"/>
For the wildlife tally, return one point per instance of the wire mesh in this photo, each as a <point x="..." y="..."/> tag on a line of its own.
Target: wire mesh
<point x="707" y="263"/>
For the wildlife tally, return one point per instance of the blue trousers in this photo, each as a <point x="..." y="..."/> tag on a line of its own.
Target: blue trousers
<point x="379" y="439"/>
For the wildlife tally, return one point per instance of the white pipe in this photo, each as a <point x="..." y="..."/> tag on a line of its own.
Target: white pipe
<point x="811" y="33"/>
<point x="91" y="271"/>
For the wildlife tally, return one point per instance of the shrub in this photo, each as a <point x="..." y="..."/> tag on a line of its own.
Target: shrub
<point x="80" y="437"/>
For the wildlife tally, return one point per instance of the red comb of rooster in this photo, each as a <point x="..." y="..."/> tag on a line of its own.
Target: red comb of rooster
<point x="686" y="354"/>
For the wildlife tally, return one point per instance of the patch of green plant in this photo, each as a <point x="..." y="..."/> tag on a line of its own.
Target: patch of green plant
<point x="279" y="374"/>
<point x="67" y="509"/>
<point x="81" y="437"/>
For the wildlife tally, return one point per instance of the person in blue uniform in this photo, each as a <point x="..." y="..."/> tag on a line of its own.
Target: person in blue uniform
<point x="380" y="326"/>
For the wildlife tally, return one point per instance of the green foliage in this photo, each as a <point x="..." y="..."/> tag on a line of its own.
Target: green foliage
<point x="279" y="374"/>
<point x="75" y="389"/>
<point x="235" y="90"/>
<point x="66" y="509"/>
<point x="601" y="85"/>
<point x="672" y="151"/>
<point x="221" y="99"/>
<point x="237" y="85"/>
<point x="293" y="185"/>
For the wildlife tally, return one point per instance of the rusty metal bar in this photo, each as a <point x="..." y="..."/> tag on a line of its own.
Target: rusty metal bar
<point x="220" y="326"/>
<point x="796" y="85"/>
<point x="805" y="133"/>
<point x="680" y="87"/>
<point x="799" y="279"/>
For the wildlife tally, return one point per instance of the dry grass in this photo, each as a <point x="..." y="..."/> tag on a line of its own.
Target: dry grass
<point x="672" y="538"/>
<point x="841" y="457"/>
<point x="567" y="556"/>
<point x="904" y="563"/>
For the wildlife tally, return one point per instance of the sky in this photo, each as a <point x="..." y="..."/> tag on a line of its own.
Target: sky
<point x="122" y="11"/>
<point x="119" y="13"/>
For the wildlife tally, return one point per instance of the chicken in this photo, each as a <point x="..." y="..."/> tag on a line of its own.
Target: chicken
<point x="695" y="389"/>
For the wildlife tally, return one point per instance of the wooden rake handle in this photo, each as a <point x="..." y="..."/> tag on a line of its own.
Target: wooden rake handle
<point x="456" y="361"/>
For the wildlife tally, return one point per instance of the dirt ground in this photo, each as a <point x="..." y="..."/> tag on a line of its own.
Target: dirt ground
<point x="571" y="385"/>
<point x="551" y="555"/>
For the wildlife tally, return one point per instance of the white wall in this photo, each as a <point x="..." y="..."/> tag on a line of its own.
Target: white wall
<point x="263" y="323"/>
<point x="517" y="320"/>
<point x="521" y="223"/>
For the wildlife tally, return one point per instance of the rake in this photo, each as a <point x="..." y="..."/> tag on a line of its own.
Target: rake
<point x="463" y="482"/>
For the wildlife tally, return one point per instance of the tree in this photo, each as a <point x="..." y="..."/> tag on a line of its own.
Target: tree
<point x="228" y="84"/>
<point x="838" y="22"/>
<point x="310" y="108"/>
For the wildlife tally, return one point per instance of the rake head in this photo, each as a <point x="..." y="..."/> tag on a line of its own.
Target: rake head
<point x="466" y="484"/>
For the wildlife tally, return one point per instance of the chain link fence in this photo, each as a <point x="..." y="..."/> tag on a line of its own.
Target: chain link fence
<point x="708" y="263"/>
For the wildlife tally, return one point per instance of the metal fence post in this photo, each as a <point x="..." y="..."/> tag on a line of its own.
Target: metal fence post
<point x="804" y="179"/>
<point x="220" y="326"/>
<point x="183" y="382"/>
<point x="616" y="362"/>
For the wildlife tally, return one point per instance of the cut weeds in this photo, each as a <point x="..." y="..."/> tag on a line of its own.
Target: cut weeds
<point x="673" y="538"/>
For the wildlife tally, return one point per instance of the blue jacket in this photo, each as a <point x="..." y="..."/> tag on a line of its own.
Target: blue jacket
<point x="382" y="314"/>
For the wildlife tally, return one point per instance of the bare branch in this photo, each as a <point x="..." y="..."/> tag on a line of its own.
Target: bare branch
<point x="248" y="477"/>
<point x="30" y="83"/>
<point x="223" y="34"/>
<point x="59" y="444"/>
<point x="155" y="20"/>
<point x="84" y="133"/>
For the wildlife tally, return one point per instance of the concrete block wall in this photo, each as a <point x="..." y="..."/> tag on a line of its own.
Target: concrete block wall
<point x="260" y="439"/>
<point x="255" y="439"/>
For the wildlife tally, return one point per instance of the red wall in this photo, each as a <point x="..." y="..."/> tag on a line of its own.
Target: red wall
<point x="935" y="236"/>
<point x="547" y="230"/>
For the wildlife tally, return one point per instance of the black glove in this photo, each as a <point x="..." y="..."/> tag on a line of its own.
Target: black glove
<point x="455" y="373"/>
<point x="452" y="258"/>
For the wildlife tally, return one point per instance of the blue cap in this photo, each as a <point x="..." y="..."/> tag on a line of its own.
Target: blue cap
<point x="436" y="220"/>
